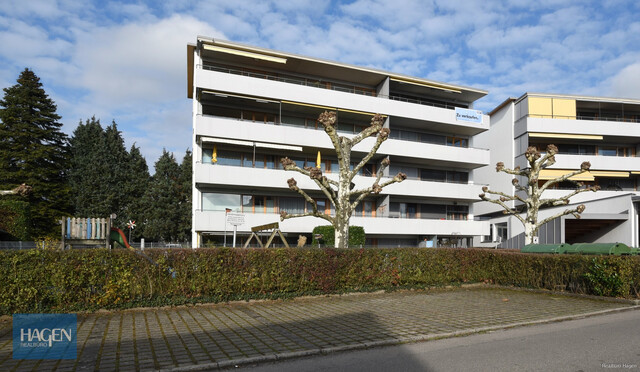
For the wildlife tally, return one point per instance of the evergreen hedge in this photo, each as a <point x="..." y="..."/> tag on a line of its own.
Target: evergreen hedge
<point x="15" y="220"/>
<point x="62" y="281"/>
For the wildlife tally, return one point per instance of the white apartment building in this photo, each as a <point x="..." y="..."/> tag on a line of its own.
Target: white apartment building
<point x="253" y="106"/>
<point x="603" y="131"/>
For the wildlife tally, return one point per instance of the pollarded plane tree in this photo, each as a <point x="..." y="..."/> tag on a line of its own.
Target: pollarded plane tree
<point x="533" y="201"/>
<point x="341" y="192"/>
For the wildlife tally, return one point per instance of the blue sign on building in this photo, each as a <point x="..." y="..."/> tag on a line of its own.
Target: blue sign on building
<point x="45" y="336"/>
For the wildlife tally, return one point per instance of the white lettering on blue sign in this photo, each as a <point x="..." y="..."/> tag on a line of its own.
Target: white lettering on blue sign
<point x="473" y="116"/>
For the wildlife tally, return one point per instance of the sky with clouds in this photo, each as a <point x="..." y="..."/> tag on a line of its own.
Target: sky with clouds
<point x="126" y="61"/>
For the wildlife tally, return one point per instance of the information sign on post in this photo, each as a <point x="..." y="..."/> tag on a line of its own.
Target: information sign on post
<point x="235" y="219"/>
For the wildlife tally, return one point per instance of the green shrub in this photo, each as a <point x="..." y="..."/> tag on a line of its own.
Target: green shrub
<point x="77" y="280"/>
<point x="15" y="220"/>
<point x="604" y="278"/>
<point x="356" y="236"/>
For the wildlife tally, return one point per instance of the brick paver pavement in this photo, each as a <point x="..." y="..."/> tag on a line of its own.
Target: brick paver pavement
<point x="212" y="335"/>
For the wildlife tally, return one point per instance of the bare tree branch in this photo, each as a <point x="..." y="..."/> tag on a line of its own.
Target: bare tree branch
<point x="565" y="199"/>
<point x="584" y="167"/>
<point x="575" y="212"/>
<point x="340" y="193"/>
<point x="22" y="190"/>
<point x="375" y="188"/>
<point x="507" y="209"/>
<point x="504" y="196"/>
<point x="377" y="121"/>
<point x="533" y="191"/>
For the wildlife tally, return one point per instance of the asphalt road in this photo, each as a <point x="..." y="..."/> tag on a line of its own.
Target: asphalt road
<point x="601" y="343"/>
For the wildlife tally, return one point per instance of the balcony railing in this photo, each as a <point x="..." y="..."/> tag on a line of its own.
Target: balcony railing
<point x="328" y="85"/>
<point x="445" y="141"/>
<point x="617" y="118"/>
<point x="394" y="215"/>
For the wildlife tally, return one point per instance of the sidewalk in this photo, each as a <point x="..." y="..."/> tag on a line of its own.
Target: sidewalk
<point x="222" y="335"/>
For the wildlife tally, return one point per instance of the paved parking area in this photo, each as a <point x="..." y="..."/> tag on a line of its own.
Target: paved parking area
<point x="221" y="335"/>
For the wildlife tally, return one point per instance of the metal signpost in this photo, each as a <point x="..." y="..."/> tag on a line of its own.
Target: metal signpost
<point x="235" y="219"/>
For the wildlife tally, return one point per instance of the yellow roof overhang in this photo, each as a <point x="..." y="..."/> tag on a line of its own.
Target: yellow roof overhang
<point x="549" y="174"/>
<point x="244" y="53"/>
<point x="428" y="85"/>
<point x="610" y="174"/>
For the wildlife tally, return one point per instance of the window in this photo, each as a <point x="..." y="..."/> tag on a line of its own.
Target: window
<point x="433" y="211"/>
<point x="457" y="212"/>
<point x="207" y="154"/>
<point x="365" y="209"/>
<point x="408" y="210"/>
<point x="369" y="170"/>
<point x="457" y="177"/>
<point x="411" y="172"/>
<point x="247" y="161"/>
<point x="457" y="142"/>
<point x="433" y="138"/>
<point x="220" y="202"/>
<point x="433" y="175"/>
<point x="292" y="205"/>
<point x="229" y="158"/>
<point x="437" y="175"/>
<point x="271" y="162"/>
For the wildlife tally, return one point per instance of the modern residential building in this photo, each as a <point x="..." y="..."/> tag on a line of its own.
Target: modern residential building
<point x="603" y="131"/>
<point x="253" y="106"/>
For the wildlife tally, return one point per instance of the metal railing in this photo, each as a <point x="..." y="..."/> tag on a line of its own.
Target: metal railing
<point x="328" y="85"/>
<point x="621" y="119"/>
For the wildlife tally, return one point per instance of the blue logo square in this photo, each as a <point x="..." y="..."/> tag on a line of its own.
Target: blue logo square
<point x="45" y="336"/>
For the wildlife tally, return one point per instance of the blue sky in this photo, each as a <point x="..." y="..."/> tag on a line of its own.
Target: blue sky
<point x="126" y="61"/>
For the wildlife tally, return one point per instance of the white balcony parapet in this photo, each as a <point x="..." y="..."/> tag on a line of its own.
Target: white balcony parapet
<point x="211" y="126"/>
<point x="276" y="90"/>
<point x="229" y="176"/>
<point x="213" y="221"/>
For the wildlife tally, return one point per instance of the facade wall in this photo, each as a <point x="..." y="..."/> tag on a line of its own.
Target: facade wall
<point x="604" y="132"/>
<point x="416" y="209"/>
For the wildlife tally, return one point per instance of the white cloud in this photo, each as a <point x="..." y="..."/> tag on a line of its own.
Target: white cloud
<point x="125" y="65"/>
<point x="626" y="83"/>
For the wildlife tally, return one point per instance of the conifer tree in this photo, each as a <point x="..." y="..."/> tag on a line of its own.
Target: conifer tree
<point x="89" y="170"/>
<point x="184" y="194"/>
<point x="161" y="201"/>
<point x="34" y="151"/>
<point x="105" y="178"/>
<point x="137" y="182"/>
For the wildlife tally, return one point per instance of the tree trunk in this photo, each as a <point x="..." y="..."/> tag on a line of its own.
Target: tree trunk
<point x="341" y="233"/>
<point x="529" y="233"/>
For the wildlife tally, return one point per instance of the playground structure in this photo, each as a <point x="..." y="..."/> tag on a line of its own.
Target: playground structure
<point x="270" y="226"/>
<point x="98" y="232"/>
<point x="93" y="232"/>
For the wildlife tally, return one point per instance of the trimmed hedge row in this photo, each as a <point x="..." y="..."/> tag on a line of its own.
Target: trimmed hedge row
<point x="59" y="281"/>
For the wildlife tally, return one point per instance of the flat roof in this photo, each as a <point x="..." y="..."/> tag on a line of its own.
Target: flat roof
<point x="343" y="70"/>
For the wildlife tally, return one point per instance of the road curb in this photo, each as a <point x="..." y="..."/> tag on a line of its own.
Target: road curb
<point x="389" y="342"/>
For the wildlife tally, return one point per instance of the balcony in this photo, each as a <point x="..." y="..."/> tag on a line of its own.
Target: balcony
<point x="247" y="178"/>
<point x="444" y="118"/>
<point x="598" y="162"/>
<point x="213" y="221"/>
<point x="596" y="127"/>
<point x="330" y="85"/>
<point x="440" y="155"/>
